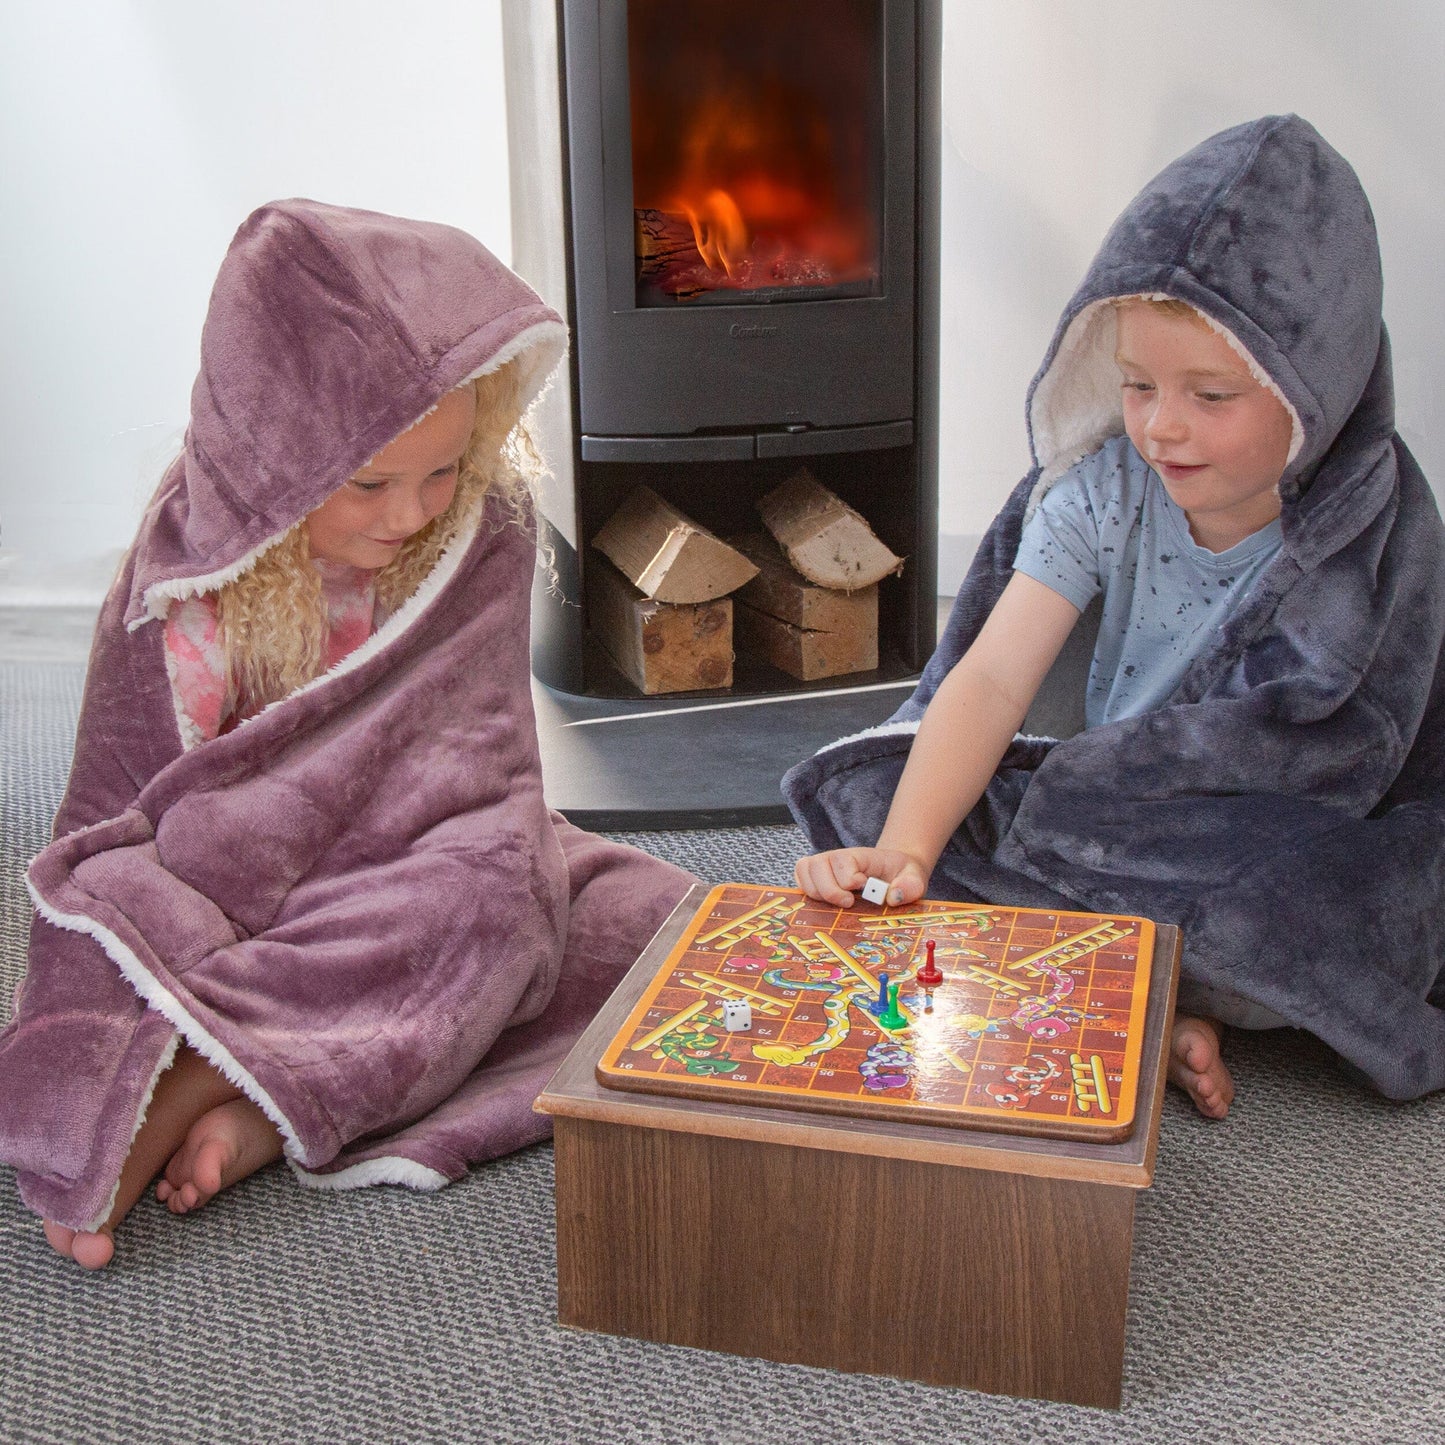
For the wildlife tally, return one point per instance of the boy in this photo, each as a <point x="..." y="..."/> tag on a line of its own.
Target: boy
<point x="1267" y="668"/>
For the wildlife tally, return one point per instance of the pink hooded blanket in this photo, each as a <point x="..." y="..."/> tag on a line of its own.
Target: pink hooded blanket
<point x="356" y="904"/>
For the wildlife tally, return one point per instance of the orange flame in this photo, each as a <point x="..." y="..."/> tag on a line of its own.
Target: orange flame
<point x="720" y="231"/>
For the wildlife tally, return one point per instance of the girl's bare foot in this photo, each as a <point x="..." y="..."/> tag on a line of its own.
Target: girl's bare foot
<point x="228" y="1143"/>
<point x="89" y="1249"/>
<point x="185" y="1094"/>
<point x="1197" y="1065"/>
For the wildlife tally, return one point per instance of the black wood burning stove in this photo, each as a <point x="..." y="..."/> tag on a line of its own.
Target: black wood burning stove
<point x="735" y="205"/>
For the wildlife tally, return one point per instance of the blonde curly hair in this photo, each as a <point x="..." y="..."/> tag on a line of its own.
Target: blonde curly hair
<point x="272" y="620"/>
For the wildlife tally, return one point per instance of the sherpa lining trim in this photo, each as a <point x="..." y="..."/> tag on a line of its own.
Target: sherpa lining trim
<point x="896" y="729"/>
<point x="883" y="730"/>
<point x="547" y="338"/>
<point x="1076" y="406"/>
<point x="390" y="1170"/>
<point x="155" y="995"/>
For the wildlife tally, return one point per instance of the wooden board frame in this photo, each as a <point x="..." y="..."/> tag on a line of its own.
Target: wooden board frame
<point x="1036" y="1029"/>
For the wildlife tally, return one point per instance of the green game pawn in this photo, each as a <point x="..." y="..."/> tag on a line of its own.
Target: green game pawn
<point x="893" y="1018"/>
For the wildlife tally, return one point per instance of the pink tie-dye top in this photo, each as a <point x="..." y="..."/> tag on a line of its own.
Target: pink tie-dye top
<point x="206" y="695"/>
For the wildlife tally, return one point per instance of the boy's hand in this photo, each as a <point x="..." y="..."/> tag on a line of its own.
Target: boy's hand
<point x="835" y="877"/>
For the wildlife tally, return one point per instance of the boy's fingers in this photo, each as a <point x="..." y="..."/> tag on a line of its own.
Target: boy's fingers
<point x="918" y="885"/>
<point x="906" y="885"/>
<point x="846" y="870"/>
<point x="815" y="877"/>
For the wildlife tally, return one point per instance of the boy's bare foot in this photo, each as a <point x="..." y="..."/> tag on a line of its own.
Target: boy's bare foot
<point x="228" y="1143"/>
<point x="1197" y="1065"/>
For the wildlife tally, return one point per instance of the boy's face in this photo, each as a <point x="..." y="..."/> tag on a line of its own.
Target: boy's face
<point x="403" y="487"/>
<point x="1217" y="438"/>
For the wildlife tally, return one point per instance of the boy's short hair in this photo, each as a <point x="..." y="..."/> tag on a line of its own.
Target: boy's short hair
<point x="1165" y="305"/>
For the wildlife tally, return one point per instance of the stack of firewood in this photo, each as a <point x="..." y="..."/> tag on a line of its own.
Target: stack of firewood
<point x="806" y="590"/>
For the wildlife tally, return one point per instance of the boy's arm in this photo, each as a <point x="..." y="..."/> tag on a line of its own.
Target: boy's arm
<point x="964" y="734"/>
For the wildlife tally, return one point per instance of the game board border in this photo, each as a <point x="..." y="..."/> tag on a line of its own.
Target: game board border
<point x="1113" y="1131"/>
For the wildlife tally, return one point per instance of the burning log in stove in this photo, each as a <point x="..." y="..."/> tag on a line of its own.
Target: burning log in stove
<point x="677" y="256"/>
<point x="667" y="254"/>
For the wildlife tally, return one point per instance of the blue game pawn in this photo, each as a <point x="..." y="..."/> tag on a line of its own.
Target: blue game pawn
<point x="893" y="1017"/>
<point x="879" y="1006"/>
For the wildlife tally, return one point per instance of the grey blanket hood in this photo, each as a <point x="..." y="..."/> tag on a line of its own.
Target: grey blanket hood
<point x="1286" y="807"/>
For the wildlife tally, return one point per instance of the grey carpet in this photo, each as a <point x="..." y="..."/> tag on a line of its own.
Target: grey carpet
<point x="1288" y="1280"/>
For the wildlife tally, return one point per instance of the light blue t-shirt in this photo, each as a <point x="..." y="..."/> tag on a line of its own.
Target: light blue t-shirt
<point x="1108" y="525"/>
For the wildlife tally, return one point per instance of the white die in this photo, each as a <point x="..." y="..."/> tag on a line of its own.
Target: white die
<point x="737" y="1014"/>
<point x="875" y="890"/>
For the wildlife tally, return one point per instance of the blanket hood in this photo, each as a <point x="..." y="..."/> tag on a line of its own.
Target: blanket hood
<point x="357" y="907"/>
<point x="1286" y="804"/>
<point x="1252" y="228"/>
<point x="330" y="331"/>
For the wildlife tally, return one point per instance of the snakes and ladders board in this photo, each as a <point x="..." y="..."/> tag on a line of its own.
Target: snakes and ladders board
<point x="1013" y="1019"/>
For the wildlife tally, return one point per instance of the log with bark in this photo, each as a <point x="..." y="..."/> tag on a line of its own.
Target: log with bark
<point x="802" y="629"/>
<point x="659" y="646"/>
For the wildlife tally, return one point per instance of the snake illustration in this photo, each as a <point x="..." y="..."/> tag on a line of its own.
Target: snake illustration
<point x="843" y="994"/>
<point x="836" y="1007"/>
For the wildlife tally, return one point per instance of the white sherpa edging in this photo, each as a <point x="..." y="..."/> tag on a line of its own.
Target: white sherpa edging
<point x="389" y="1170"/>
<point x="154" y="995"/>
<point x="549" y="338"/>
<point x="1076" y="406"/>
<point x="894" y="729"/>
<point x="160" y="595"/>
<point x="881" y="730"/>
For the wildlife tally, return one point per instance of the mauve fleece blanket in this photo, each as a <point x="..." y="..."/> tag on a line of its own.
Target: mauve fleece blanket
<point x="1286" y="807"/>
<point x="356" y="904"/>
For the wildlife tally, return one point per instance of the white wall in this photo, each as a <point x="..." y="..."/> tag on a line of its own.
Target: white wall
<point x="1057" y="111"/>
<point x="135" y="137"/>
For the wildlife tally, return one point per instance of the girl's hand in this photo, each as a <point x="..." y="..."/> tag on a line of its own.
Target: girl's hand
<point x="834" y="877"/>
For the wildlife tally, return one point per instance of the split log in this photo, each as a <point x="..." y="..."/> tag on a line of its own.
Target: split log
<point x="784" y="592"/>
<point x="659" y="646"/>
<point x="823" y="537"/>
<point x="802" y="629"/>
<point x="802" y="652"/>
<point x="668" y="557"/>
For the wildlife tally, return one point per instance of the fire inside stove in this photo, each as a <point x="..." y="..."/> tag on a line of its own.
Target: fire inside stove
<point x="755" y="136"/>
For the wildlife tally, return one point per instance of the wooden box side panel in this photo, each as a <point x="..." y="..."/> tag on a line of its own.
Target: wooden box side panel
<point x="997" y="1282"/>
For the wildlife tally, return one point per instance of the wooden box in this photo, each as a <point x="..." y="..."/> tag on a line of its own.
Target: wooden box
<point x="957" y="1257"/>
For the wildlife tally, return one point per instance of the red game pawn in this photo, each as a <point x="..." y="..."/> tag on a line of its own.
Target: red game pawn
<point x="930" y="975"/>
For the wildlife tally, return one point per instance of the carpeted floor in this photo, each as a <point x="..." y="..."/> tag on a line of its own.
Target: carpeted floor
<point x="1289" y="1281"/>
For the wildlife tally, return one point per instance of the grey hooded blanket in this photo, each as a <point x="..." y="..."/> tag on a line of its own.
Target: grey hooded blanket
<point x="356" y="904"/>
<point x="1286" y="806"/>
